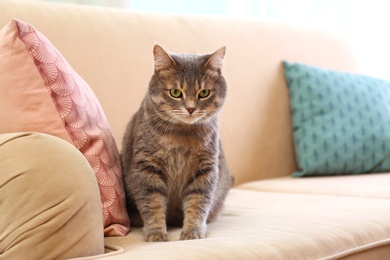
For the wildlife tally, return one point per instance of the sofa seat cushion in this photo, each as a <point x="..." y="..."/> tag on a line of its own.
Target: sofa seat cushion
<point x="271" y="225"/>
<point x="374" y="185"/>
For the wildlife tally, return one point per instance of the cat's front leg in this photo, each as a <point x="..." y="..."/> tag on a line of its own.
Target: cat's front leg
<point x="154" y="216"/>
<point x="151" y="199"/>
<point x="194" y="226"/>
<point x="197" y="202"/>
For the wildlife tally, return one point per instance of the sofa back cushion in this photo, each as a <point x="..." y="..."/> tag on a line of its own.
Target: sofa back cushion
<point x="112" y="51"/>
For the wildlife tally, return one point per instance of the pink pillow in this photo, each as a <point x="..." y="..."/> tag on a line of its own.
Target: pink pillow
<point x="41" y="92"/>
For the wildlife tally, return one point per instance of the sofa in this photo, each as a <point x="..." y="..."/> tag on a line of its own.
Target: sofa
<point x="50" y="200"/>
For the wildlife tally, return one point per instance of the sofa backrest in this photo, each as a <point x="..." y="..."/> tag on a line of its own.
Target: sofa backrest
<point x="112" y="50"/>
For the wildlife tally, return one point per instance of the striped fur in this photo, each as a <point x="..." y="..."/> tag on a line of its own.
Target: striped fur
<point x="174" y="168"/>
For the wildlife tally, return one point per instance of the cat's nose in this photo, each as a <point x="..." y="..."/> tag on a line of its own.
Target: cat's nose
<point x="190" y="110"/>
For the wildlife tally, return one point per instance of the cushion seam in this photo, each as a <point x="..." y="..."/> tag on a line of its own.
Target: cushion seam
<point x="358" y="249"/>
<point x="308" y="193"/>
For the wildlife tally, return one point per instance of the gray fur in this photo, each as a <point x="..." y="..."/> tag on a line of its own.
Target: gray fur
<point x="175" y="172"/>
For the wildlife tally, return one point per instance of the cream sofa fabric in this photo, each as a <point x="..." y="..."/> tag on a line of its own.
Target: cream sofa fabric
<point x="269" y="225"/>
<point x="277" y="225"/>
<point x="364" y="185"/>
<point x="268" y="215"/>
<point x="112" y="50"/>
<point x="48" y="203"/>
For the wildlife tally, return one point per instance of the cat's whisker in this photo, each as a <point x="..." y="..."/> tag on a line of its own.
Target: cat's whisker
<point x="228" y="125"/>
<point x="169" y="127"/>
<point x="156" y="127"/>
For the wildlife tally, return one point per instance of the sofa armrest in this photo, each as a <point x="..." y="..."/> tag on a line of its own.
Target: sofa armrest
<point x="49" y="200"/>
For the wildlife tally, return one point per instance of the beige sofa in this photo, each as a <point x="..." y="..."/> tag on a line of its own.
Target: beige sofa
<point x="268" y="214"/>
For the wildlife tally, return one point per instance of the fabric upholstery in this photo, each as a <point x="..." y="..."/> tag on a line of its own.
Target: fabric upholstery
<point x="45" y="213"/>
<point x="46" y="95"/>
<point x="362" y="185"/>
<point x="113" y="51"/>
<point x="277" y="225"/>
<point x="339" y="121"/>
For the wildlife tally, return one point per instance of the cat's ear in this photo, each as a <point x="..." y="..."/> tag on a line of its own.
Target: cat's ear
<point x="162" y="59"/>
<point x="215" y="62"/>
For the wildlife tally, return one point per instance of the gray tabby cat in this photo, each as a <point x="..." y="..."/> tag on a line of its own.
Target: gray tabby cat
<point x="175" y="172"/>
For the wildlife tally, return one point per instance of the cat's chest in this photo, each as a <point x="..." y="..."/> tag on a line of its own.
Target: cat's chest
<point x="181" y="158"/>
<point x="181" y="161"/>
<point x="179" y="153"/>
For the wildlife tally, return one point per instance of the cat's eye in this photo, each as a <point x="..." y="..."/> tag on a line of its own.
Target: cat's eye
<point x="176" y="93"/>
<point x="204" y="93"/>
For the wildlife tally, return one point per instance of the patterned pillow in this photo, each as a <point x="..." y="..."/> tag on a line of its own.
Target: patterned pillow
<point x="41" y="92"/>
<point x="341" y="121"/>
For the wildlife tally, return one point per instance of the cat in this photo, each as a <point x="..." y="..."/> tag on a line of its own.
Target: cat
<point x="174" y="168"/>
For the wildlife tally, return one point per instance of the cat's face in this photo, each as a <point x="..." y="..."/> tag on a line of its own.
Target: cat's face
<point x="187" y="88"/>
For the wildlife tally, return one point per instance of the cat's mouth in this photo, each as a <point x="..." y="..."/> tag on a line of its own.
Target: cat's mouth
<point x="189" y="117"/>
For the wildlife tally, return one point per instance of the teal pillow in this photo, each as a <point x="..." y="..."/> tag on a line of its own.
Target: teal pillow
<point x="341" y="121"/>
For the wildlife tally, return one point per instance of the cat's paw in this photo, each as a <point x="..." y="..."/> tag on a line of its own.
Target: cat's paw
<point x="191" y="234"/>
<point x="157" y="237"/>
